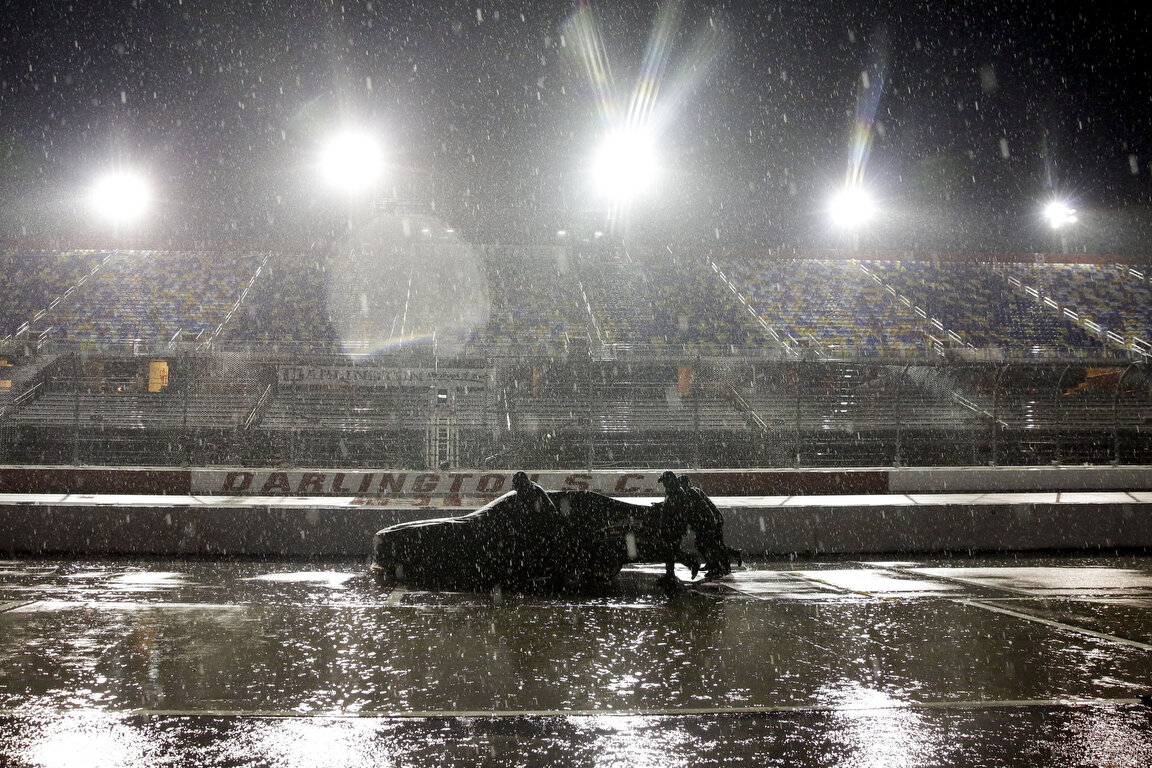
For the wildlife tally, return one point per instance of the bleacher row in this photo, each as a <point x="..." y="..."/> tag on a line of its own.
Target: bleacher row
<point x="540" y="297"/>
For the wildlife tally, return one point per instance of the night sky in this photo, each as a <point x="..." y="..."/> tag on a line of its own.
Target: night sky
<point x="981" y="111"/>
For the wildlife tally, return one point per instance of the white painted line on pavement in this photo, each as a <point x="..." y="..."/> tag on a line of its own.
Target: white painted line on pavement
<point x="1056" y="624"/>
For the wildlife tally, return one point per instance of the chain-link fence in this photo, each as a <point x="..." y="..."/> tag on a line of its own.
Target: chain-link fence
<point x="248" y="405"/>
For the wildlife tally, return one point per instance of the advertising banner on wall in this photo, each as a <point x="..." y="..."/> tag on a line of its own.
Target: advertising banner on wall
<point x="369" y="376"/>
<point x="480" y="484"/>
<point x="396" y="483"/>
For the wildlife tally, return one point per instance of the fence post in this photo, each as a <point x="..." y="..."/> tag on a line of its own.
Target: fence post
<point x="75" y="408"/>
<point x="1116" y="413"/>
<point x="1060" y="420"/>
<point x="695" y="395"/>
<point x="796" y="421"/>
<point x="996" y="414"/>
<point x="901" y="388"/>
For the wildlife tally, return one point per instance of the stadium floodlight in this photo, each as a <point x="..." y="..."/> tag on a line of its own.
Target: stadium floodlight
<point x="851" y="208"/>
<point x="120" y="197"/>
<point x="625" y="166"/>
<point x="1059" y="214"/>
<point x="351" y="161"/>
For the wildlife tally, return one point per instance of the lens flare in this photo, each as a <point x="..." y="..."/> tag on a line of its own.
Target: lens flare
<point x="854" y="206"/>
<point x="625" y="164"/>
<point x="404" y="281"/>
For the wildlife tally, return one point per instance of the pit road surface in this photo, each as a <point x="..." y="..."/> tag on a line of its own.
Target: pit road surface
<point x="977" y="661"/>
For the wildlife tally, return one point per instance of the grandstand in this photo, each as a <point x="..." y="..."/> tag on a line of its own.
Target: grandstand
<point x="409" y="352"/>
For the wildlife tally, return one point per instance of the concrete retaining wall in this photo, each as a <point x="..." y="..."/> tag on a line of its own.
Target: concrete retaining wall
<point x="184" y="530"/>
<point x="939" y="528"/>
<point x="780" y="530"/>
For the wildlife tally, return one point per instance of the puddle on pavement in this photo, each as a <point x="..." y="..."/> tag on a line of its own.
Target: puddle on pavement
<point x="259" y="637"/>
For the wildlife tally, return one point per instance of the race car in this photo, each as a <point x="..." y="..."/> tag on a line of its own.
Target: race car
<point x="582" y="538"/>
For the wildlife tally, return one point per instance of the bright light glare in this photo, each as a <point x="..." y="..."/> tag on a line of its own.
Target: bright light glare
<point x="121" y="197"/>
<point x="625" y="165"/>
<point x="1059" y="214"/>
<point x="851" y="207"/>
<point x="351" y="162"/>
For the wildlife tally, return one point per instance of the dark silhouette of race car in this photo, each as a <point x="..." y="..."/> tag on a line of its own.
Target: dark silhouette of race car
<point x="580" y="539"/>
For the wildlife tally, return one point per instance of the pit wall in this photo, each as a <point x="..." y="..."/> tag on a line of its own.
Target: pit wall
<point x="444" y="488"/>
<point x="773" y="513"/>
<point x="216" y="526"/>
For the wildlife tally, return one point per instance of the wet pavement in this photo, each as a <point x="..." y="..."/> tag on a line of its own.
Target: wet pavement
<point x="989" y="661"/>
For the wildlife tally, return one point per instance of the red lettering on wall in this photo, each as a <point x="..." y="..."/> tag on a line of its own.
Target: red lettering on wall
<point x="492" y="484"/>
<point x="365" y="483"/>
<point x="311" y="482"/>
<point x="338" y="483"/>
<point x="425" y="483"/>
<point x="457" y="482"/>
<point x="622" y="483"/>
<point x="277" y="481"/>
<point x="579" y="482"/>
<point x="237" y="481"/>
<point x="393" y="483"/>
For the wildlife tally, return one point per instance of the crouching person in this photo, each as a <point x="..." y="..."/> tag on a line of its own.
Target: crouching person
<point x="707" y="524"/>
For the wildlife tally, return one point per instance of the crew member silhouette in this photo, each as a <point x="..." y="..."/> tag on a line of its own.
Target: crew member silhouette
<point x="676" y="503"/>
<point x="531" y="496"/>
<point x="708" y="525"/>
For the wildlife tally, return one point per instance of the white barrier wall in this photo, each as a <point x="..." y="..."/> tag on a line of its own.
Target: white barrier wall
<point x="481" y="484"/>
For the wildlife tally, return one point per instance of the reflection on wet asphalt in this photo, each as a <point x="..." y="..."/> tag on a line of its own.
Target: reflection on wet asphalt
<point x="990" y="662"/>
<point x="1051" y="736"/>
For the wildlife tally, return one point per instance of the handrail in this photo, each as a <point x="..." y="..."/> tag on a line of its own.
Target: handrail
<point x="257" y="408"/>
<point x="236" y="304"/>
<point x="975" y="408"/>
<point x="748" y="409"/>
<point x="29" y="394"/>
<point x="772" y="332"/>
